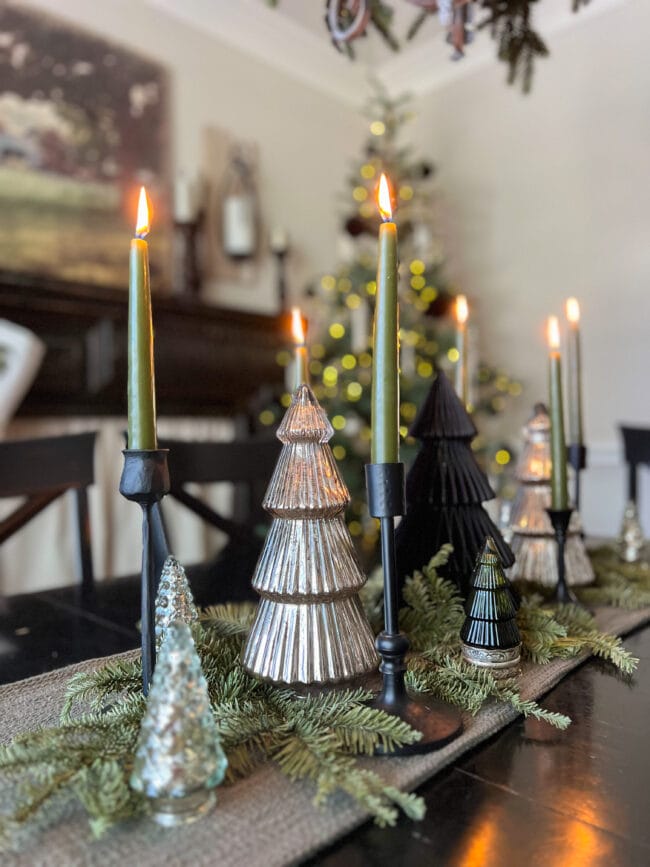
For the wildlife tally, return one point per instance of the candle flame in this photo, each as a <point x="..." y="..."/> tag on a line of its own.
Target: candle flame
<point x="383" y="199"/>
<point x="573" y="310"/>
<point x="553" y="332"/>
<point x="142" y="221"/>
<point x="462" y="310"/>
<point x="297" y="327"/>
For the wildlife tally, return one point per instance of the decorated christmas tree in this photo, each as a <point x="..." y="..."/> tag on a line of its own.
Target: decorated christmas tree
<point x="310" y="625"/>
<point x="445" y="488"/>
<point x="178" y="760"/>
<point x="341" y="309"/>
<point x="533" y="539"/>
<point x="490" y="634"/>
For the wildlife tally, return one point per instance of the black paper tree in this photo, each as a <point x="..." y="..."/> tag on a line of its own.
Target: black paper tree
<point x="490" y="634"/>
<point x="444" y="491"/>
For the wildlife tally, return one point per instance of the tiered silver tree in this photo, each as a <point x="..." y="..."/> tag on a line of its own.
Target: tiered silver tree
<point x="310" y="626"/>
<point x="533" y="540"/>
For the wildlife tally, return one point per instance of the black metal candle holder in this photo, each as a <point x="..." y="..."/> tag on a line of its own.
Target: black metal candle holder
<point x="145" y="480"/>
<point x="577" y="457"/>
<point x="438" y="722"/>
<point x="560" y="519"/>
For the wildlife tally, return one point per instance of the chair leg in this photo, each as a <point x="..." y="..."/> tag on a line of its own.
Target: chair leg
<point x="84" y="551"/>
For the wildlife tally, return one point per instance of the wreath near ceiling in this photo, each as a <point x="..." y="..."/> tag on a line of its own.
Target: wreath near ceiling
<point x="508" y="22"/>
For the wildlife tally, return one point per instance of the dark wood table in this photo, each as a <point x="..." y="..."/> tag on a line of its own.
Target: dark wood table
<point x="530" y="796"/>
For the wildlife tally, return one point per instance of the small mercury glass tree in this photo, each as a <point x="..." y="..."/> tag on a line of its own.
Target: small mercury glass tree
<point x="174" y="600"/>
<point x="490" y="635"/>
<point x="178" y="760"/>
<point x="310" y="625"/>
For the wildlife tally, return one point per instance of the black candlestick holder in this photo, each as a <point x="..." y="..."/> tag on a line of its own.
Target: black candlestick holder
<point x="145" y="480"/>
<point x="438" y="722"/>
<point x="560" y="519"/>
<point x="577" y="457"/>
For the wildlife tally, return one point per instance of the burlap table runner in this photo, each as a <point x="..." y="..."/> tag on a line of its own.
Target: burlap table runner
<point x="262" y="820"/>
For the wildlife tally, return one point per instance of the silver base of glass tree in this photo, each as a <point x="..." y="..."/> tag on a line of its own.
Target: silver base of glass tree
<point x="172" y="812"/>
<point x="501" y="663"/>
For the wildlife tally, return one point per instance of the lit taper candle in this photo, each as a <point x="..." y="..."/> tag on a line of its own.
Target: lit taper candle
<point x="141" y="390"/>
<point x="559" y="498"/>
<point x="462" y="371"/>
<point x="301" y="355"/>
<point x="385" y="381"/>
<point x="574" y="366"/>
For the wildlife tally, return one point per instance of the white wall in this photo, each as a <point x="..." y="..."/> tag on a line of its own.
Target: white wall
<point x="548" y="195"/>
<point x="305" y="137"/>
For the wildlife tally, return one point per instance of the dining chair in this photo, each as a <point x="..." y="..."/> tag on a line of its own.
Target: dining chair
<point x="636" y="444"/>
<point x="40" y="471"/>
<point x="246" y="463"/>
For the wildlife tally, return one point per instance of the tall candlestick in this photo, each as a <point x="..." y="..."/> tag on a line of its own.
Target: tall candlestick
<point x="141" y="390"/>
<point x="301" y="358"/>
<point x="574" y="378"/>
<point x="462" y="368"/>
<point x="385" y="382"/>
<point x="559" y="498"/>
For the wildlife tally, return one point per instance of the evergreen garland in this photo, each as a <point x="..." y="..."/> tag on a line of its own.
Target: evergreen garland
<point x="88" y="757"/>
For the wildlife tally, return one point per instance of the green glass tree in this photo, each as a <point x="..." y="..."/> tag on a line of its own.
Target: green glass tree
<point x="178" y="760"/>
<point x="490" y="634"/>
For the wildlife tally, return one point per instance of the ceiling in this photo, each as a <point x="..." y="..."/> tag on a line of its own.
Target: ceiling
<point x="293" y="38"/>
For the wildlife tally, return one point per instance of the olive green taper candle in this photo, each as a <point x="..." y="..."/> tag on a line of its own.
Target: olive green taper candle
<point x="141" y="388"/>
<point x="385" y="381"/>
<point x="559" y="496"/>
<point x="574" y="378"/>
<point x="301" y="355"/>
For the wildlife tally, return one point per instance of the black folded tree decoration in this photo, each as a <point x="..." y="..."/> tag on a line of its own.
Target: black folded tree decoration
<point x="445" y="488"/>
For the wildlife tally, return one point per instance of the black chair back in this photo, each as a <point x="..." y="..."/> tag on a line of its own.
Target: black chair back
<point x="41" y="470"/>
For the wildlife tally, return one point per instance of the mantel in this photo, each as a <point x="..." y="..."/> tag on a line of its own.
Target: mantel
<point x="209" y="360"/>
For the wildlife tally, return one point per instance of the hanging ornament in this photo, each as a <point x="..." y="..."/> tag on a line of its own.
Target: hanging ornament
<point x="347" y="19"/>
<point x="490" y="635"/>
<point x="174" y="600"/>
<point x="178" y="759"/>
<point x="239" y="209"/>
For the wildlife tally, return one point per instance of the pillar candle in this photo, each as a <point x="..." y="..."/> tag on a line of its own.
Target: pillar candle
<point x="301" y="359"/>
<point x="141" y="390"/>
<point x="462" y="368"/>
<point x="574" y="377"/>
<point x="559" y="498"/>
<point x="385" y="382"/>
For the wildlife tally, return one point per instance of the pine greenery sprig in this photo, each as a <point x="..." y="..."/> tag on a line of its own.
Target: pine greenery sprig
<point x="89" y="755"/>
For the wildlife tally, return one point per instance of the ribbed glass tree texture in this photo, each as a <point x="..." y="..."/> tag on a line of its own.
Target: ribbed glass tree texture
<point x="491" y="610"/>
<point x="445" y="488"/>
<point x="310" y="626"/>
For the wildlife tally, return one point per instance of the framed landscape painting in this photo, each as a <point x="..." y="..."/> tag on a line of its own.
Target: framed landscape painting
<point x="83" y="123"/>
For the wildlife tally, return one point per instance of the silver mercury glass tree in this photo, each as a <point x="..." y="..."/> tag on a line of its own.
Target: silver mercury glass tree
<point x="178" y="759"/>
<point x="310" y="626"/>
<point x="533" y="539"/>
